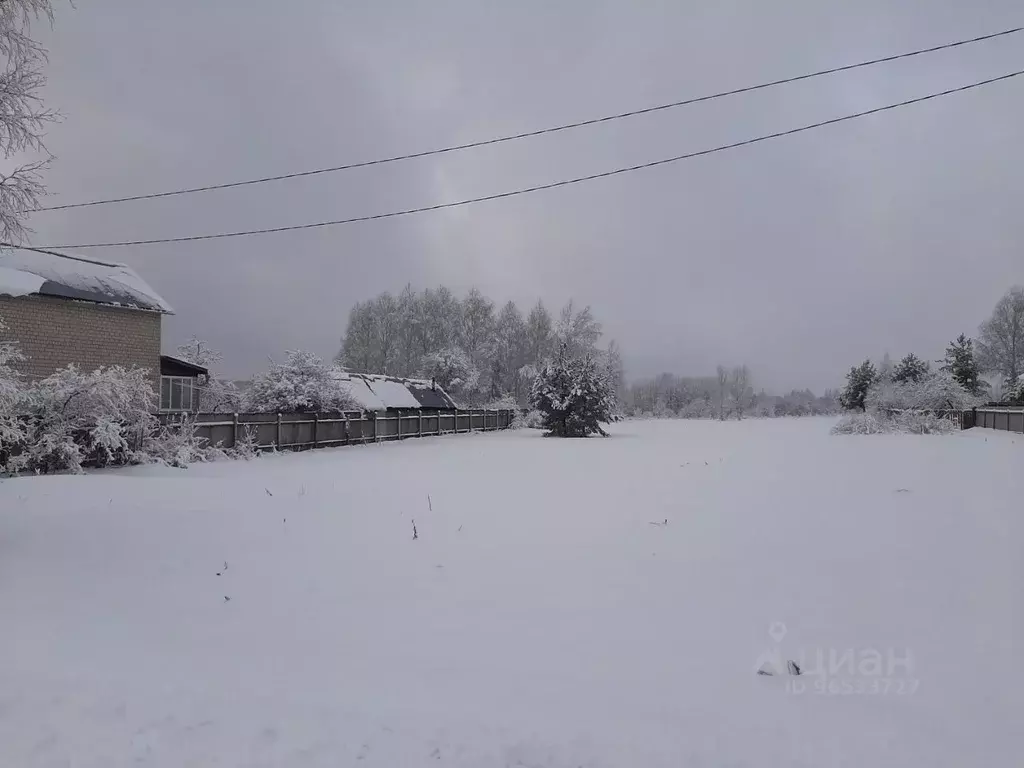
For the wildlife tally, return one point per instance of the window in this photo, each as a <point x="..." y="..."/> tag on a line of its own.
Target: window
<point x="176" y="393"/>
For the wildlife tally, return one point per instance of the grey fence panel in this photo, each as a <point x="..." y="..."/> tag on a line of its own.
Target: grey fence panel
<point x="298" y="431"/>
<point x="1010" y="418"/>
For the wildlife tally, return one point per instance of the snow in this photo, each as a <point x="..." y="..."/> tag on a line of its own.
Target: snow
<point x="540" y="619"/>
<point x="394" y="394"/>
<point x="109" y="282"/>
<point x="359" y="390"/>
<point x="15" y="282"/>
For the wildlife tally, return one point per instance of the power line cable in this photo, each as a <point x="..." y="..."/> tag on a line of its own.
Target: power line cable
<point x="552" y="185"/>
<point x="539" y="132"/>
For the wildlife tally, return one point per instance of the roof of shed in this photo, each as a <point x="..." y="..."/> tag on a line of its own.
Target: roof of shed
<point x="375" y="392"/>
<point x="174" y="366"/>
<point x="70" y="276"/>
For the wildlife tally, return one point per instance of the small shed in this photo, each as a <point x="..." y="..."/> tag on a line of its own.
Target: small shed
<point x="430" y="396"/>
<point x="375" y="392"/>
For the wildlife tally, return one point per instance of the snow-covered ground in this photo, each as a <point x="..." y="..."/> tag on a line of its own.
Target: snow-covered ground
<point x="540" y="619"/>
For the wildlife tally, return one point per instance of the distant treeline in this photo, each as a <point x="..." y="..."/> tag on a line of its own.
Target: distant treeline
<point x="475" y="350"/>
<point x="728" y="394"/>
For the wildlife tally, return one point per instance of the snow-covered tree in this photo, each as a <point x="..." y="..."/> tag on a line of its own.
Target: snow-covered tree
<point x="452" y="370"/>
<point x="963" y="365"/>
<point x="739" y="389"/>
<point x="573" y="395"/>
<point x="358" y="346"/>
<point x="1001" y="338"/>
<point x="408" y="329"/>
<point x="910" y="368"/>
<point x="301" y="384"/>
<point x="477" y="328"/>
<point x="858" y="381"/>
<point x="216" y="395"/>
<point x="387" y="318"/>
<point x="722" y="376"/>
<point x="616" y="373"/>
<point x="937" y="391"/>
<point x="199" y="352"/>
<point x="1014" y="393"/>
<point x="414" y="332"/>
<point x="577" y="331"/>
<point x="23" y="118"/>
<point x="539" y="334"/>
<point x="508" y="351"/>
<point x="442" y="315"/>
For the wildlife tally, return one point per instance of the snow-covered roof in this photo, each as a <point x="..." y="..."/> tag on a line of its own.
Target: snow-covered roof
<point x="359" y="390"/>
<point x="394" y="394"/>
<point x="71" y="276"/>
<point x="375" y="392"/>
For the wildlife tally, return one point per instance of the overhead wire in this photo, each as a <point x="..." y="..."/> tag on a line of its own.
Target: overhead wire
<point x="540" y="131"/>
<point x="551" y="185"/>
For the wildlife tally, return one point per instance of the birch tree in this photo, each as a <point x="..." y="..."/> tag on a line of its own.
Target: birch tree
<point x="477" y="328"/>
<point x="1001" y="338"/>
<point x="23" y="118"/>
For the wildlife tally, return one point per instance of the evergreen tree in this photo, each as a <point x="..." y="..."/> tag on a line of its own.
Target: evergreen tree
<point x="910" y="368"/>
<point x="1015" y="392"/>
<point x="858" y="381"/>
<point x="962" y="363"/>
<point x="574" y="395"/>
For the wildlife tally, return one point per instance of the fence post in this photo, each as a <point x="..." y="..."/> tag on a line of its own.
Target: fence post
<point x="234" y="430"/>
<point x="277" y="444"/>
<point x="419" y="426"/>
<point x="399" y="422"/>
<point x="316" y="425"/>
<point x="456" y="418"/>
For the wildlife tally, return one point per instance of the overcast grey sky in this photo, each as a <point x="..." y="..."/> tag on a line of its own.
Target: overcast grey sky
<point x="798" y="257"/>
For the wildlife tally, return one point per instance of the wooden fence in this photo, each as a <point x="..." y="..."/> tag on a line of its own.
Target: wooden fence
<point x="300" y="431"/>
<point x="1006" y="418"/>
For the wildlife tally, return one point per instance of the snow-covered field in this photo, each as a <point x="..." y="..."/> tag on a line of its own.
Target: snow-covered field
<point x="539" y="619"/>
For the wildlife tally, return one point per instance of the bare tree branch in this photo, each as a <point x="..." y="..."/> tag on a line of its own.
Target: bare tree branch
<point x="23" y="117"/>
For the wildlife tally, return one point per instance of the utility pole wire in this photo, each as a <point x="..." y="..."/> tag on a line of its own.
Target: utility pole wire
<point x="541" y="131"/>
<point x="552" y="185"/>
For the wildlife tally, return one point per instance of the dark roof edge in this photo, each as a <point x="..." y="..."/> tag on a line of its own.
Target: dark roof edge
<point x="196" y="370"/>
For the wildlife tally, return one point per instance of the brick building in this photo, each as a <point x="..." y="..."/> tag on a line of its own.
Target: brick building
<point x="64" y="309"/>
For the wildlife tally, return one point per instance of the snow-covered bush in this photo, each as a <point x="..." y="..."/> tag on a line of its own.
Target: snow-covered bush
<point x="934" y="391"/>
<point x="103" y="417"/>
<point x="247" y="446"/>
<point x="301" y="384"/>
<point x="697" y="409"/>
<point x="178" y="444"/>
<point x="528" y="420"/>
<point x="574" y="396"/>
<point x="909" y="422"/>
<point x="12" y="429"/>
